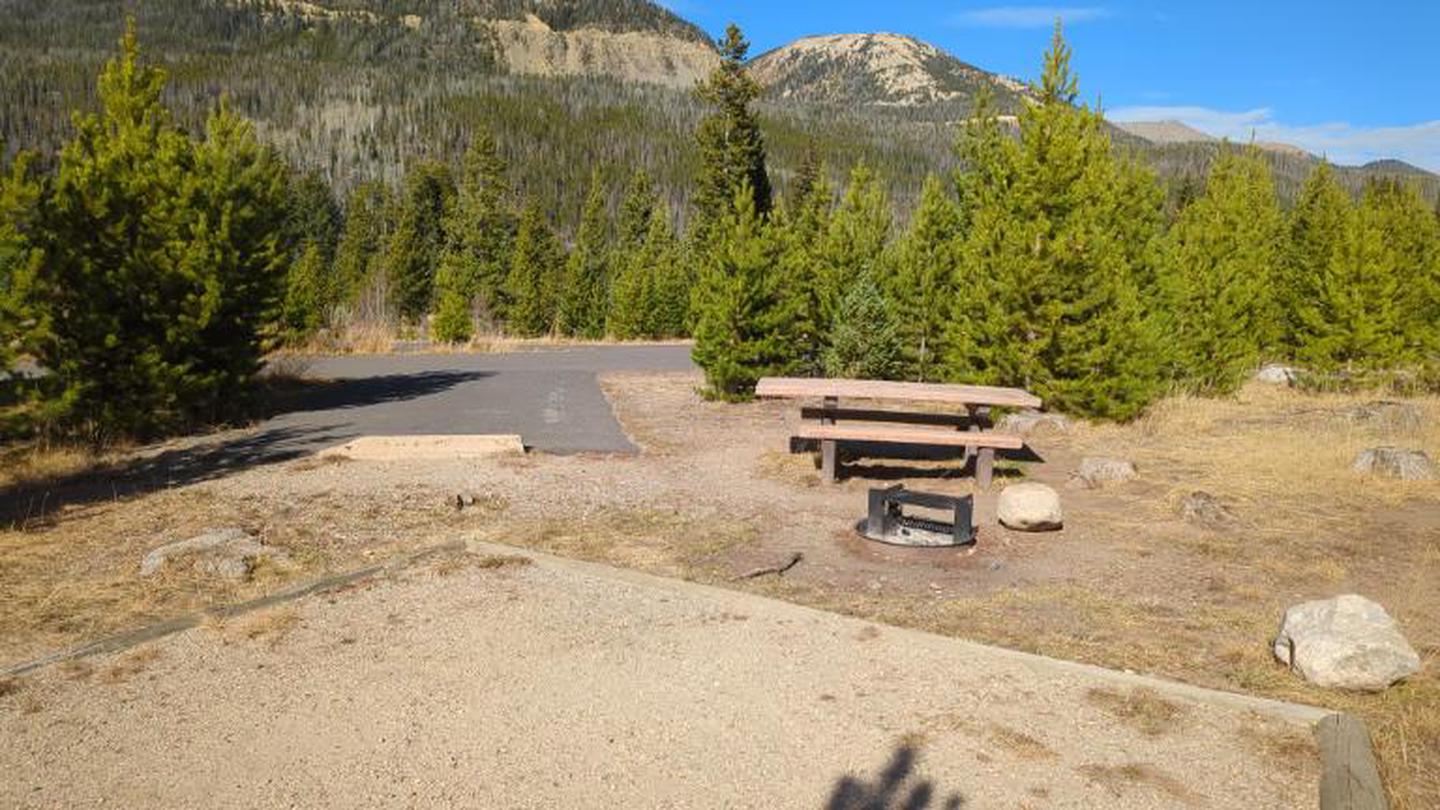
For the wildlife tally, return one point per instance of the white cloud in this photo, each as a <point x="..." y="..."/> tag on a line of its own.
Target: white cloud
<point x="1028" y="16"/>
<point x="1340" y="142"/>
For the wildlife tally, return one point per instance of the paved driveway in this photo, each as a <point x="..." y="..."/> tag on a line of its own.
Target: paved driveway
<point x="551" y="398"/>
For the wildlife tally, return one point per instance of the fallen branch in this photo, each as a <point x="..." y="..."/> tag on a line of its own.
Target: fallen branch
<point x="777" y="570"/>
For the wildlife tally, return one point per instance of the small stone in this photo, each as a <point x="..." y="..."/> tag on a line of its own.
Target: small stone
<point x="1393" y="462"/>
<point x="1277" y="374"/>
<point x="1098" y="471"/>
<point x="1024" y="423"/>
<point x="1030" y="507"/>
<point x="228" y="554"/>
<point x="1348" y="642"/>
<point x="1397" y="416"/>
<point x="1205" y="510"/>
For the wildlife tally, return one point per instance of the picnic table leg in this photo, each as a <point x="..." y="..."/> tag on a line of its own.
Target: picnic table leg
<point x="984" y="456"/>
<point x="829" y="452"/>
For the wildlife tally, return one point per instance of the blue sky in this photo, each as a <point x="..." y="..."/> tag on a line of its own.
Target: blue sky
<point x="1352" y="80"/>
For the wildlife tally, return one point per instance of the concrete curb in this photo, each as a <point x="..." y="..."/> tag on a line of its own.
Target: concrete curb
<point x="133" y="638"/>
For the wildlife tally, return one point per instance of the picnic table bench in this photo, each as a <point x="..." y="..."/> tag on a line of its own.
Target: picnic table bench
<point x="901" y="427"/>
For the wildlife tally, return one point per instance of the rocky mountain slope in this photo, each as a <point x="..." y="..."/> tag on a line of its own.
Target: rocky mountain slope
<point x="877" y="70"/>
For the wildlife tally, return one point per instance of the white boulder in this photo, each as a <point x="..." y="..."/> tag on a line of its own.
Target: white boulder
<point x="1277" y="374"/>
<point x="225" y="553"/>
<point x="1348" y="642"/>
<point x="1030" y="507"/>
<point x="1096" y="472"/>
<point x="1392" y="462"/>
<point x="1024" y="423"/>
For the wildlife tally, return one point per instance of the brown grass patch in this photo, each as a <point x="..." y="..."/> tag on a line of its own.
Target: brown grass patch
<point x="271" y="626"/>
<point x="1120" y="779"/>
<point x="10" y="686"/>
<point x="129" y="665"/>
<point x="1021" y="745"/>
<point x="464" y="560"/>
<point x="796" y="469"/>
<point x="1140" y="708"/>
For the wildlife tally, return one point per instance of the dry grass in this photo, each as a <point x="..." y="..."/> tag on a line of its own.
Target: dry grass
<point x="381" y="339"/>
<point x="1021" y="745"/>
<point x="129" y="665"/>
<point x="465" y="560"/>
<point x="34" y="465"/>
<point x="270" y="626"/>
<point x="1121" y="779"/>
<point x="1139" y="708"/>
<point x="10" y="686"/>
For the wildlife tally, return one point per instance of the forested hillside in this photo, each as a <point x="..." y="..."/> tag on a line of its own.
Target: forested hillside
<point x="364" y="89"/>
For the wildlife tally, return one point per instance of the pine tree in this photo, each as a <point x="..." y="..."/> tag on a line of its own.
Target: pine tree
<point x="164" y="261"/>
<point x="586" y="291"/>
<point x="478" y="232"/>
<point x="856" y="243"/>
<point x="923" y="286"/>
<point x="536" y="264"/>
<point x="1317" y="226"/>
<point x="864" y="342"/>
<point x="800" y="234"/>
<point x="742" y="318"/>
<point x="1222" y="253"/>
<point x="20" y="258"/>
<point x="732" y="149"/>
<point x="415" y="247"/>
<point x="1412" y="231"/>
<point x="650" y="297"/>
<point x="1058" y="233"/>
<point x="306" y="295"/>
<point x="1354" y="318"/>
<point x="637" y="209"/>
<point x="366" y="232"/>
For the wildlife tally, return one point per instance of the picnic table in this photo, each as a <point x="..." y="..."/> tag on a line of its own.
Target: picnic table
<point x="971" y="430"/>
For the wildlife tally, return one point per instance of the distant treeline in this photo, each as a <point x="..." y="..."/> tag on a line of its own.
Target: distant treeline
<point x="149" y="264"/>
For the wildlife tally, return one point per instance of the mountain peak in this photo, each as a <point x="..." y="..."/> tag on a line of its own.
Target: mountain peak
<point x="876" y="68"/>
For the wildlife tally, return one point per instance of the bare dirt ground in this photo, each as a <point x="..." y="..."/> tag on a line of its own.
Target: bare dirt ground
<point x="1128" y="584"/>
<point x="488" y="680"/>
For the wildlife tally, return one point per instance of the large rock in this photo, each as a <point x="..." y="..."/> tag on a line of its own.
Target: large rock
<point x="1387" y="415"/>
<point x="1277" y="374"/>
<point x="1096" y="472"/>
<point x="1207" y="511"/>
<point x="1024" y="423"/>
<point x="1348" y="642"/>
<point x="229" y="554"/>
<point x="1393" y="462"/>
<point x="1030" y="507"/>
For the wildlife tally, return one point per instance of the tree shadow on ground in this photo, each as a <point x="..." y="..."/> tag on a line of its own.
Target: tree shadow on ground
<point x="304" y="395"/>
<point x="147" y="471"/>
<point x="895" y="787"/>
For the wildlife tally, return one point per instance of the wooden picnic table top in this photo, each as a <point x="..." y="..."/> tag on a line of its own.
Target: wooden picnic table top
<point x="969" y="395"/>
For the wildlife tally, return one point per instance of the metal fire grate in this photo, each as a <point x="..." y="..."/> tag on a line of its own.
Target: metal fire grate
<point x="888" y="523"/>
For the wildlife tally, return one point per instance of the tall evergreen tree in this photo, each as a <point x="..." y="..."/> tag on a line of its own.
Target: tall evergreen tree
<point x="742" y="317"/>
<point x="1317" y="226"/>
<point x="1052" y="274"/>
<point x="478" y="231"/>
<point x="536" y="264"/>
<point x="586" y="291"/>
<point x="1409" y="228"/>
<point x="358" y="255"/>
<point x="640" y="204"/>
<point x="1222" y="255"/>
<point x="307" y="288"/>
<point x="651" y="294"/>
<point x="732" y="149"/>
<point x="1354" y="319"/>
<point x="20" y="258"/>
<point x="856" y="243"/>
<point x="415" y="246"/>
<point x="924" y="284"/>
<point x="800" y="235"/>
<point x="164" y="260"/>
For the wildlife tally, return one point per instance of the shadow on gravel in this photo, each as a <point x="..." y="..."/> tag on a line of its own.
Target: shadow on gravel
<point x="29" y="505"/>
<point x="896" y="787"/>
